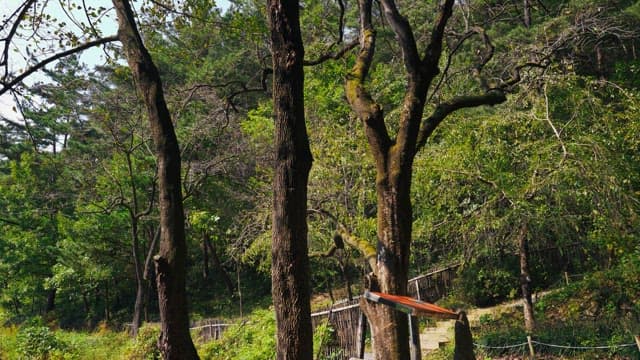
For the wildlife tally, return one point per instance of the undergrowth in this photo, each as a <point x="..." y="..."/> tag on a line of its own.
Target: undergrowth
<point x="601" y="310"/>
<point x="36" y="341"/>
<point x="253" y="338"/>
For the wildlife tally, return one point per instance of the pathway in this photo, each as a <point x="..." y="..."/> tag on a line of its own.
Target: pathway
<point x="435" y="337"/>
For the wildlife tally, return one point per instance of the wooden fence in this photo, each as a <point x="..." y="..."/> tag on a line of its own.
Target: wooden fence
<point x="205" y="330"/>
<point x="342" y="341"/>
<point x="345" y="318"/>
<point x="434" y="285"/>
<point x="209" y="329"/>
<point x="347" y="321"/>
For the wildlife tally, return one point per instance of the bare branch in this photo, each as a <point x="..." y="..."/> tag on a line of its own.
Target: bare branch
<point x="8" y="86"/>
<point x="434" y="49"/>
<point x="516" y="72"/>
<point x="492" y="97"/>
<point x="485" y="57"/>
<point x="452" y="52"/>
<point x="404" y="35"/>
<point x="341" y="21"/>
<point x="565" y="153"/>
<point x="329" y="56"/>
<point x="4" y="60"/>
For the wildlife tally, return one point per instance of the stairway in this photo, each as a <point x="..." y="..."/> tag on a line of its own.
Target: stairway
<point x="432" y="338"/>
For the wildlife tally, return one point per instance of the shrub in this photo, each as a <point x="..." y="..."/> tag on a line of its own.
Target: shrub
<point x="254" y="338"/>
<point x="145" y="347"/>
<point x="36" y="341"/>
<point x="487" y="285"/>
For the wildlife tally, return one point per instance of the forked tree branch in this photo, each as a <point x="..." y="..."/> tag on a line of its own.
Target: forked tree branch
<point x="358" y="97"/>
<point x="335" y="56"/>
<point x="342" y="234"/>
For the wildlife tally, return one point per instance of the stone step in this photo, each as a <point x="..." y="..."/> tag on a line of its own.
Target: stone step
<point x="433" y="338"/>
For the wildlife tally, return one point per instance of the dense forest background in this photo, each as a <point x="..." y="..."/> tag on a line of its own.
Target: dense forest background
<point x="556" y="164"/>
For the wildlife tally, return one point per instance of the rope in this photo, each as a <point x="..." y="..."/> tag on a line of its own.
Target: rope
<point x="500" y="347"/>
<point x="209" y="325"/>
<point x="555" y="346"/>
<point x="582" y="347"/>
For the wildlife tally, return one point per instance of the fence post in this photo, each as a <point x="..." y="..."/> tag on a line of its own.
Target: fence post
<point x="566" y="277"/>
<point x="362" y="333"/>
<point x="463" y="338"/>
<point x="414" y="335"/>
<point x="533" y="354"/>
<point x="418" y="290"/>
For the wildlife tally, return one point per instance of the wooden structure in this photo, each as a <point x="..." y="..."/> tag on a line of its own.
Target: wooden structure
<point x="209" y="329"/>
<point x="343" y="342"/>
<point x="413" y="308"/>
<point x="349" y="323"/>
<point x="433" y="285"/>
<point x="410" y="305"/>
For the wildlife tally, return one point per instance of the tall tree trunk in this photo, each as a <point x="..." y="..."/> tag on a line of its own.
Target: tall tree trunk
<point x="205" y="259"/>
<point x="527" y="13"/>
<point x="525" y="279"/>
<point x="218" y="265"/>
<point x="390" y="328"/>
<point x="345" y="277"/>
<point x="289" y="250"/>
<point x="136" y="322"/>
<point x="107" y="302"/>
<point x="51" y="300"/>
<point x="175" y="340"/>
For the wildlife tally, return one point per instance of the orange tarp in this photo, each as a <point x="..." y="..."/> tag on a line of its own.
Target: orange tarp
<point x="410" y="305"/>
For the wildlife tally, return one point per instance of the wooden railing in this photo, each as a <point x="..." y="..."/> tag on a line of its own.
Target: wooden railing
<point x="346" y="318"/>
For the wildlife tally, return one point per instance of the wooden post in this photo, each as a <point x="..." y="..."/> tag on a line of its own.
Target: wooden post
<point x="463" y="339"/>
<point x="418" y="290"/>
<point x="533" y="354"/>
<point x="362" y="333"/>
<point x="637" y="337"/>
<point x="566" y="277"/>
<point x="414" y="335"/>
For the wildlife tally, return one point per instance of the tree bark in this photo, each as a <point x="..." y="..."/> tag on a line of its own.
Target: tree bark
<point x="289" y="250"/>
<point x="205" y="259"/>
<point x="175" y="341"/>
<point x="463" y="339"/>
<point x="51" y="300"/>
<point x="136" y="322"/>
<point x="345" y="277"/>
<point x="390" y="328"/>
<point x="107" y="301"/>
<point x="525" y="280"/>
<point x="527" y="13"/>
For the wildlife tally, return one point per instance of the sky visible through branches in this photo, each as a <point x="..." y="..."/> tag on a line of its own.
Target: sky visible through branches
<point x="58" y="9"/>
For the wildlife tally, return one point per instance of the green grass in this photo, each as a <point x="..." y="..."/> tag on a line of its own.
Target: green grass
<point x="102" y="344"/>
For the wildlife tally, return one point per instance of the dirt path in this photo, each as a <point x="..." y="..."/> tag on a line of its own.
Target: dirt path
<point x="432" y="338"/>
